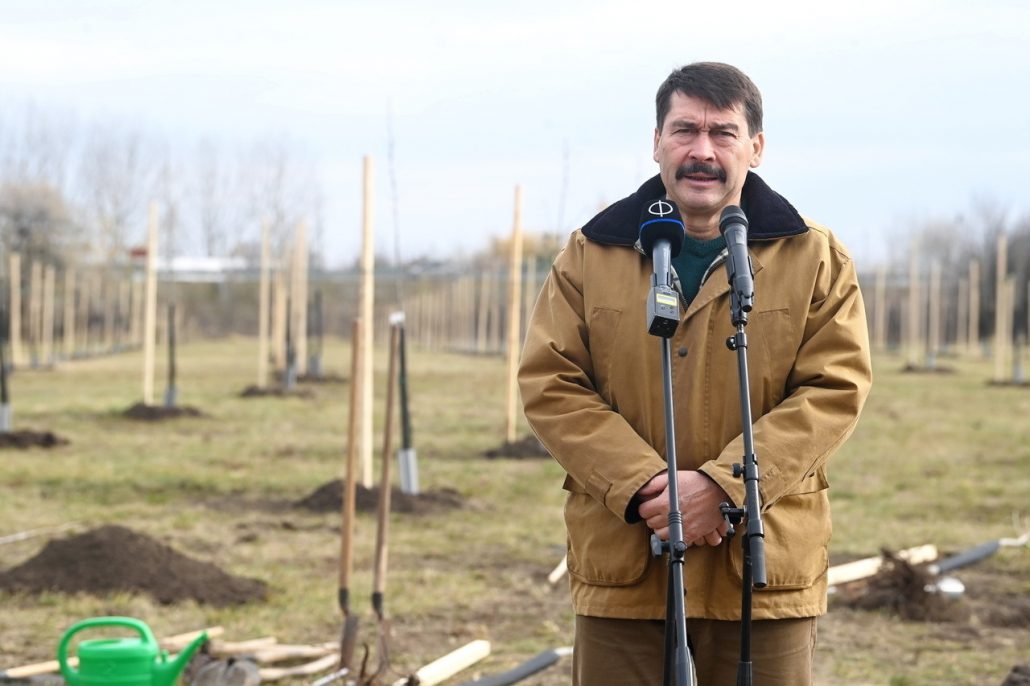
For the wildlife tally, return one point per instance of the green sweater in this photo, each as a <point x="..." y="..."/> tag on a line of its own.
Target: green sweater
<point x="692" y="262"/>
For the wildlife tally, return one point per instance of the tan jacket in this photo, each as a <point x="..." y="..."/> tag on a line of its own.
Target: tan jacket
<point x="591" y="381"/>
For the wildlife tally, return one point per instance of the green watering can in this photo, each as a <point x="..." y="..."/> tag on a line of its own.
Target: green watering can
<point x="122" y="661"/>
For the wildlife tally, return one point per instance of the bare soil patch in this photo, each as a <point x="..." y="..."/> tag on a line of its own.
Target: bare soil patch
<point x="276" y="392"/>
<point x="27" y="438"/>
<point x="900" y="588"/>
<point x="529" y="447"/>
<point x="114" y="558"/>
<point x="157" y="413"/>
<point x="329" y="498"/>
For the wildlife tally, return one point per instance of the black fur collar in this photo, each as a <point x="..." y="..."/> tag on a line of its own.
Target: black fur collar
<point x="768" y="213"/>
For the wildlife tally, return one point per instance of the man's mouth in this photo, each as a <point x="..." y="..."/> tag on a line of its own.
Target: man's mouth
<point x="700" y="172"/>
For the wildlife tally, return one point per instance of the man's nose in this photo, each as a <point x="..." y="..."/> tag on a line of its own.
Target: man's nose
<point x="701" y="148"/>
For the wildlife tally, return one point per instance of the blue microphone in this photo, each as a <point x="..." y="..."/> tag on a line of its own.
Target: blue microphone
<point x="661" y="237"/>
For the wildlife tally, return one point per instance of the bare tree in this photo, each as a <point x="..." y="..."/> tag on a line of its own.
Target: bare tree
<point x="280" y="190"/>
<point x="116" y="176"/>
<point x="36" y="221"/>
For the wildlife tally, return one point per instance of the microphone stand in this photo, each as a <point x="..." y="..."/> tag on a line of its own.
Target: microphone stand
<point x="753" y="542"/>
<point x="663" y="318"/>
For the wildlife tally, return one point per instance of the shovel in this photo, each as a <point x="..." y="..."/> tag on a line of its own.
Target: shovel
<point x="348" y="639"/>
<point x="383" y="515"/>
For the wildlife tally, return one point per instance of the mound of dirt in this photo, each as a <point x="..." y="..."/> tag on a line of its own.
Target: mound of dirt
<point x="329" y="498"/>
<point x="900" y="588"/>
<point x="156" y="413"/>
<point x="114" y="558"/>
<point x="30" y="439"/>
<point x="529" y="447"/>
<point x="1019" y="676"/>
<point x="275" y="392"/>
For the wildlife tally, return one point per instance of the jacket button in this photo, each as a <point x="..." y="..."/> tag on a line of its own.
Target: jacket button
<point x="682" y="352"/>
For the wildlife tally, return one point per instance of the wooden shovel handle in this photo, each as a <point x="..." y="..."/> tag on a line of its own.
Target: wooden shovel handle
<point x="350" y="481"/>
<point x="383" y="506"/>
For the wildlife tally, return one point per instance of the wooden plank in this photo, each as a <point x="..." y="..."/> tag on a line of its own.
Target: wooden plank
<point x="314" y="667"/>
<point x="450" y="664"/>
<point x="866" y="567"/>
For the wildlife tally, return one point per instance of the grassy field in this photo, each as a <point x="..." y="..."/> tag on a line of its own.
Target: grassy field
<point x="939" y="458"/>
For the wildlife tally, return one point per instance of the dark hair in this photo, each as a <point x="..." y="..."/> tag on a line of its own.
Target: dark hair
<point x="719" y="84"/>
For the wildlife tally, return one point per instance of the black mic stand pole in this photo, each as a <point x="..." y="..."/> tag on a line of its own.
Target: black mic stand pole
<point x="753" y="542"/>
<point x="663" y="317"/>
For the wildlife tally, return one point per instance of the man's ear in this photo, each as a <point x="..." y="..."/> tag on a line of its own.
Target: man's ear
<point x="757" y="148"/>
<point x="654" y="153"/>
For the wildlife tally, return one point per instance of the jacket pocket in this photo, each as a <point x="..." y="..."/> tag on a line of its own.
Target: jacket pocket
<point x="797" y="533"/>
<point x="603" y="550"/>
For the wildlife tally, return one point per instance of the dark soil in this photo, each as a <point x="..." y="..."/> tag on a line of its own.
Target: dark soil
<point x="321" y="378"/>
<point x="899" y="588"/>
<point x="1019" y="676"/>
<point x="30" y="439"/>
<point x="275" y="392"/>
<point x="916" y="369"/>
<point x="529" y="447"/>
<point x="157" y="413"/>
<point x="114" y="558"/>
<point x="329" y="498"/>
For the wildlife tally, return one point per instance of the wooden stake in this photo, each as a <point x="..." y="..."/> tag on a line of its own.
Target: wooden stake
<point x="514" y="319"/>
<point x="17" y="352"/>
<point x="367" y="298"/>
<point x="150" y="315"/>
<point x="122" y="338"/>
<point x="1008" y="288"/>
<point x="136" y="332"/>
<point x="914" y="315"/>
<point x="880" y="310"/>
<point x="35" y="306"/>
<point x="263" y="297"/>
<point x="279" y="320"/>
<point x="85" y="301"/>
<point x="974" y="307"/>
<point x="68" y="335"/>
<point x="962" y="339"/>
<point x="999" y="307"/>
<point x="532" y="290"/>
<point x="299" y="298"/>
<point x="109" y="301"/>
<point x="47" y="351"/>
<point x="934" y="326"/>
<point x="483" y="311"/>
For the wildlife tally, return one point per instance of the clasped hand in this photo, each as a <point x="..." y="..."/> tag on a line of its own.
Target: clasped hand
<point x="699" y="498"/>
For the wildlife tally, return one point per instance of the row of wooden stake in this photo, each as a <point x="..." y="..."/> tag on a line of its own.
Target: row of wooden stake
<point x="923" y="321"/>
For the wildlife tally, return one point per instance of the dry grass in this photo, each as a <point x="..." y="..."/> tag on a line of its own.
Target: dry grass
<point x="941" y="459"/>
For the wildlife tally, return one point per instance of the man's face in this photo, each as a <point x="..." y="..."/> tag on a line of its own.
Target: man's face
<point x="704" y="154"/>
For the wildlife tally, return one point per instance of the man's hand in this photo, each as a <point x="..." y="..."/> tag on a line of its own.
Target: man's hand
<point x="699" y="496"/>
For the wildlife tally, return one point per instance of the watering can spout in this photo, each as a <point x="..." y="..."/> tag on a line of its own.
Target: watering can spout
<point x="167" y="673"/>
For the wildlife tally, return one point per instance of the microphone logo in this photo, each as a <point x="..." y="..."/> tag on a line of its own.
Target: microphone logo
<point x="660" y="208"/>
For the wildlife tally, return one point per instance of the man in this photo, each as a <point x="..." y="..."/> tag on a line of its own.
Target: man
<point x="591" y="381"/>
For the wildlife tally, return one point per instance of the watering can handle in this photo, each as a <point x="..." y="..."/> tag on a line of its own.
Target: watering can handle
<point x="62" y="649"/>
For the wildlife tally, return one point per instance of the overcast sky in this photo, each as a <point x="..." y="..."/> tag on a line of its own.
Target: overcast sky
<point x="878" y="113"/>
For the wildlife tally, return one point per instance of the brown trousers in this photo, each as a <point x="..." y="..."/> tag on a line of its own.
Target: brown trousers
<point x="630" y="652"/>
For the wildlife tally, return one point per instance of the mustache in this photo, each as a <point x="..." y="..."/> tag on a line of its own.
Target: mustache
<point x="700" y="168"/>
